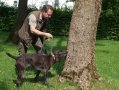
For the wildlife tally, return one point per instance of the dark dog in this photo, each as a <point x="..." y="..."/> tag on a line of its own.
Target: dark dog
<point x="40" y="62"/>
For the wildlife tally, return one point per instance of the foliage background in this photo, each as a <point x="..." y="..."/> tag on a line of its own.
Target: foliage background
<point x="108" y="27"/>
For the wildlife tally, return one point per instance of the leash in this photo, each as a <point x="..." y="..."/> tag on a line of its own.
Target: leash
<point x="44" y="46"/>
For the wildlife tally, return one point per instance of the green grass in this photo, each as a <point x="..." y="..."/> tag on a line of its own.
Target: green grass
<point x="107" y="61"/>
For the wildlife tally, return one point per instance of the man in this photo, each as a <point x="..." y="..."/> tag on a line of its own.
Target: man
<point x="33" y="30"/>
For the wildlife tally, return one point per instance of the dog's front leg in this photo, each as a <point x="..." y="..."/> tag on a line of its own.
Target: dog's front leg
<point x="46" y="77"/>
<point x="37" y="75"/>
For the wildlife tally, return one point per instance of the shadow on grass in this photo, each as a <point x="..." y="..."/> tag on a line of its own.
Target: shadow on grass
<point x="31" y="71"/>
<point x="99" y="44"/>
<point x="58" y="67"/>
<point x="103" y="51"/>
<point x="40" y="80"/>
<point x="3" y="86"/>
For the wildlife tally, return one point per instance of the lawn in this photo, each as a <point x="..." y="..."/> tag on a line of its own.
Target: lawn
<point x="107" y="61"/>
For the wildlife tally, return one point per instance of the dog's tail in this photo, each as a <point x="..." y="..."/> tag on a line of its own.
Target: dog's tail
<point x="12" y="56"/>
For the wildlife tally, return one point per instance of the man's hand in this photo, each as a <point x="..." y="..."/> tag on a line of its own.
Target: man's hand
<point x="48" y="36"/>
<point x="37" y="32"/>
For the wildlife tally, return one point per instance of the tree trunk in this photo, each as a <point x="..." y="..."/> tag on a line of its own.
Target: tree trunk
<point x="80" y="64"/>
<point x="22" y="7"/>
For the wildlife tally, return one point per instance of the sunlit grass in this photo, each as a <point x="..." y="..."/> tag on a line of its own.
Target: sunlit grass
<point x="107" y="61"/>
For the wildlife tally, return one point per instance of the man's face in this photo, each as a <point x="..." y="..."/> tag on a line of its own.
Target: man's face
<point x="48" y="14"/>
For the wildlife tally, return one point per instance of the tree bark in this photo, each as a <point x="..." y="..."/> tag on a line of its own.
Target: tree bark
<point x="80" y="64"/>
<point x="22" y="7"/>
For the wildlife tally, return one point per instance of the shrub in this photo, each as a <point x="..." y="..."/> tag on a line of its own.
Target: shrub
<point x="108" y="27"/>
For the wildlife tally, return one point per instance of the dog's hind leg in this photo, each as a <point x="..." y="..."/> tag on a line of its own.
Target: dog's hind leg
<point x="20" y="74"/>
<point x="37" y="75"/>
<point x="19" y="78"/>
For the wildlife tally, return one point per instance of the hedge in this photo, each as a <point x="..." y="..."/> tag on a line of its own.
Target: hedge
<point x="108" y="27"/>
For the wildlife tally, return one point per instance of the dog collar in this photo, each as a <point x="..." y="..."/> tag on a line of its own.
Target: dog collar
<point x="53" y="56"/>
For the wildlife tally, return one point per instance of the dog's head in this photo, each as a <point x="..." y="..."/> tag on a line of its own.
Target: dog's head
<point x="59" y="54"/>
